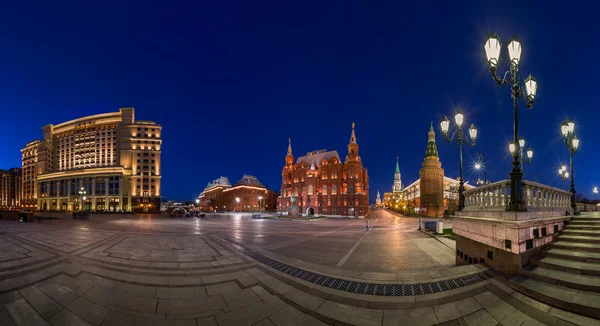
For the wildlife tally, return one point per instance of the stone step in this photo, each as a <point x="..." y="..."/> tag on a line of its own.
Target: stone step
<point x="583" y="227"/>
<point x="579" y="301"/>
<point x="589" y="257"/>
<point x="564" y="244"/>
<point x="579" y="238"/>
<point x="573" y="266"/>
<point x="578" y="219"/>
<point x="570" y="280"/>
<point x="592" y="233"/>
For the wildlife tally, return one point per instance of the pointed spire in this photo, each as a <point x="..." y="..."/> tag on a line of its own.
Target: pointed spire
<point x="353" y="136"/>
<point x="431" y="133"/>
<point x="431" y="148"/>
<point x="289" y="146"/>
<point x="397" y="166"/>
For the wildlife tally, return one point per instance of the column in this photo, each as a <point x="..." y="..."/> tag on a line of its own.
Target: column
<point x="106" y="206"/>
<point x="69" y="195"/>
<point x="129" y="186"/>
<point x="94" y="193"/>
<point x="58" y="183"/>
<point x="120" y="193"/>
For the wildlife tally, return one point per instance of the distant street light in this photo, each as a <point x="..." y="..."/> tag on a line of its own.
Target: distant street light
<point x="237" y="201"/>
<point x="482" y="163"/>
<point x="259" y="200"/>
<point x="596" y="194"/>
<point x="445" y="126"/>
<point x="563" y="173"/>
<point x="198" y="203"/>
<point x="82" y="194"/>
<point x="572" y="142"/>
<point x="492" y="48"/>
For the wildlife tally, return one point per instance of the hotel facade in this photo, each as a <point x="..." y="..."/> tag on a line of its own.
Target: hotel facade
<point x="104" y="162"/>
<point x="10" y="188"/>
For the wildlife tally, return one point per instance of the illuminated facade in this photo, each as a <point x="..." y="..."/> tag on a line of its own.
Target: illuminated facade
<point x="114" y="158"/>
<point x="319" y="183"/>
<point x="247" y="195"/>
<point x="433" y="193"/>
<point x="11" y="188"/>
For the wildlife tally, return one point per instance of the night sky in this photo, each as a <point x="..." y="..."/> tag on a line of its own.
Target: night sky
<point x="231" y="81"/>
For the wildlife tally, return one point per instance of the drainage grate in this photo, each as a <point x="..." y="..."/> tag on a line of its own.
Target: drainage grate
<point x="389" y="290"/>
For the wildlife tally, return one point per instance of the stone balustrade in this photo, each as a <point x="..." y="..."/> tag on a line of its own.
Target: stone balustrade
<point x="537" y="197"/>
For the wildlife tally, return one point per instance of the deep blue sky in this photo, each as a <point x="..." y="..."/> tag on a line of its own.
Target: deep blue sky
<point x="231" y="81"/>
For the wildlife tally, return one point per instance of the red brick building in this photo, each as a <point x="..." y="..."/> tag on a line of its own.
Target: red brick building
<point x="321" y="184"/>
<point x="247" y="195"/>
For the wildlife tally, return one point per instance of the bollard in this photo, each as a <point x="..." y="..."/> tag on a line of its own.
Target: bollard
<point x="367" y="225"/>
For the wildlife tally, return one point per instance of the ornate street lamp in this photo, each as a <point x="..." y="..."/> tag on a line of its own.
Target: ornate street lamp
<point x="572" y="142"/>
<point x="563" y="173"/>
<point x="523" y="156"/>
<point x="596" y="195"/>
<point x="511" y="79"/>
<point x="445" y="125"/>
<point x="82" y="194"/>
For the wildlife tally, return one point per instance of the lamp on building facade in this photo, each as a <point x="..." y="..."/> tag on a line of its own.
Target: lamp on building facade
<point x="82" y="194"/>
<point x="445" y="126"/>
<point x="512" y="80"/>
<point x="572" y="142"/>
<point x="259" y="204"/>
<point x="237" y="201"/>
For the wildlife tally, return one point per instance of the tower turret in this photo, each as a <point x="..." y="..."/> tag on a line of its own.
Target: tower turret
<point x="352" y="146"/>
<point x="397" y="179"/>
<point x="432" y="180"/>
<point x="289" y="159"/>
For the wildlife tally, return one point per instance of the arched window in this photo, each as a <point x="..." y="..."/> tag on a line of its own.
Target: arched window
<point x="310" y="189"/>
<point x="324" y="191"/>
<point x="334" y="190"/>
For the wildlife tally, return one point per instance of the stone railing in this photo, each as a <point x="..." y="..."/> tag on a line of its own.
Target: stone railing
<point x="536" y="196"/>
<point x="540" y="197"/>
<point x="493" y="196"/>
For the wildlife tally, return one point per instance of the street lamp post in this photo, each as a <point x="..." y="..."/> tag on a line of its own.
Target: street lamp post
<point x="596" y="197"/>
<point x="82" y="194"/>
<point x="259" y="206"/>
<point x="198" y="203"/>
<point x="523" y="157"/>
<point x="445" y="125"/>
<point x="572" y="142"/>
<point x="237" y="201"/>
<point x="481" y="162"/>
<point x="511" y="79"/>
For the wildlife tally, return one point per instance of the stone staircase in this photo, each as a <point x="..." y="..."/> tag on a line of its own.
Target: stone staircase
<point x="567" y="275"/>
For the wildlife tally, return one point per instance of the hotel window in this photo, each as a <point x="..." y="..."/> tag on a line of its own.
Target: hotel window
<point x="334" y="190"/>
<point x="310" y="189"/>
<point x="324" y="191"/>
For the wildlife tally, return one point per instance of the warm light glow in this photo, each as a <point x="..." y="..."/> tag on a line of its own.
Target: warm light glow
<point x="529" y="153"/>
<point x="531" y="87"/>
<point x="458" y="118"/>
<point x="477" y="166"/>
<point x="560" y="171"/>
<point x="197" y="201"/>
<point x="564" y="128"/>
<point x="595" y="190"/>
<point x="445" y="125"/>
<point x="492" y="49"/>
<point x="575" y="142"/>
<point x="514" y="51"/>
<point x="571" y="126"/>
<point x="522" y="142"/>
<point x="237" y="199"/>
<point x="511" y="148"/>
<point x="566" y="174"/>
<point x="260" y="198"/>
<point x="473" y="132"/>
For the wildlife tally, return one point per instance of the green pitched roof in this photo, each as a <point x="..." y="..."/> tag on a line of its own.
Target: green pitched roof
<point x="397" y="167"/>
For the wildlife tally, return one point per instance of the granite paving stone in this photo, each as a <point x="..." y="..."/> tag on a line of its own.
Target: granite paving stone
<point x="351" y="314"/>
<point x="23" y="314"/>
<point x="176" y="293"/>
<point x="40" y="302"/>
<point x="412" y="317"/>
<point x="487" y="299"/>
<point x="501" y="310"/>
<point x="135" y="290"/>
<point x="264" y="322"/>
<point x="217" y="289"/>
<point x="251" y="314"/>
<point x="66" y="318"/>
<point x="467" y="306"/>
<point x="114" y="299"/>
<point x="480" y="318"/>
<point x="88" y="310"/>
<point x="311" y="321"/>
<point x="304" y="299"/>
<point x="446" y="312"/>
<point x="5" y="319"/>
<point x="240" y="299"/>
<point x="288" y="316"/>
<point x="190" y="306"/>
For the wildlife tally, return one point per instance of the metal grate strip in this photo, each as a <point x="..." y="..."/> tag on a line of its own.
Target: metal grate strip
<point x="390" y="290"/>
